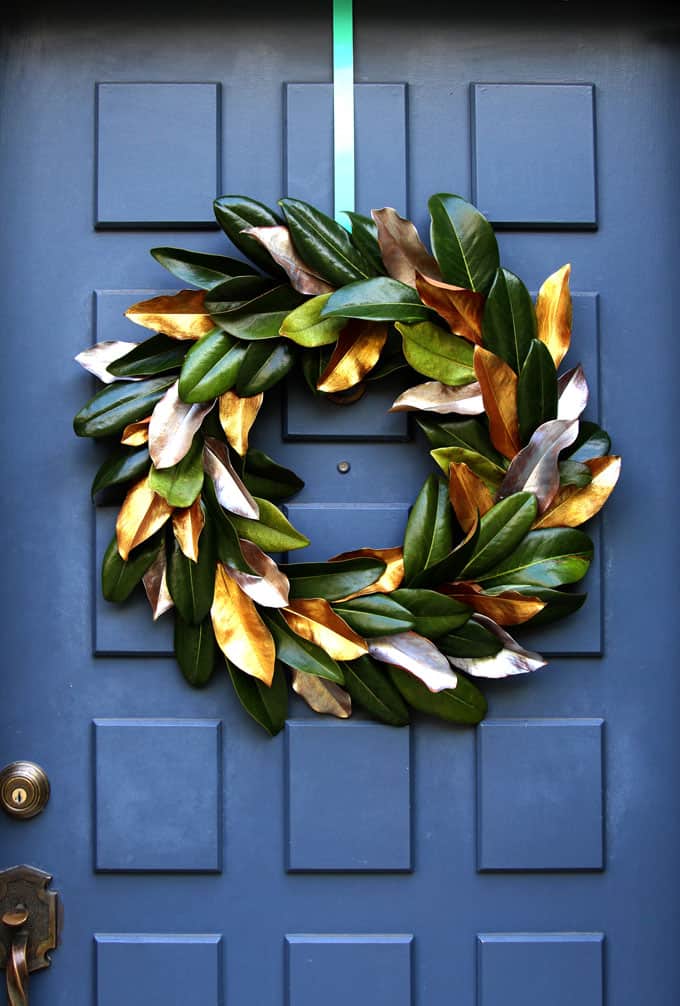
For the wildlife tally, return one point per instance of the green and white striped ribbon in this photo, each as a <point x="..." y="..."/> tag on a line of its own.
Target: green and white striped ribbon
<point x="343" y="109"/>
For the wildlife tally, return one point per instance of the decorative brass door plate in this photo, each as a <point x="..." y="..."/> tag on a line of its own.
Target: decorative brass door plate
<point x="24" y="889"/>
<point x="24" y="789"/>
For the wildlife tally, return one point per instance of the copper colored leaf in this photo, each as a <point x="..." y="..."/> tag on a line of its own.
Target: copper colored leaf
<point x="187" y="524"/>
<point x="572" y="394"/>
<point x="417" y="655"/>
<point x="468" y="494"/>
<point x="573" y="506"/>
<point x="535" y="469"/>
<point x="172" y="427"/>
<point x="237" y="416"/>
<point x="320" y="695"/>
<point x="97" y="358"/>
<point x="155" y="582"/>
<point x="512" y="659"/>
<point x="507" y="608"/>
<point x="229" y="489"/>
<point x="143" y="512"/>
<point x="553" y="313"/>
<point x="240" y="632"/>
<point x="401" y="249"/>
<point x="355" y="354"/>
<point x="433" y="396"/>
<point x="267" y="586"/>
<point x="390" y="579"/>
<point x="315" y="620"/>
<point x="499" y="391"/>
<point x="180" y="316"/>
<point x="461" y="309"/>
<point x="277" y="241"/>
<point x="136" y="434"/>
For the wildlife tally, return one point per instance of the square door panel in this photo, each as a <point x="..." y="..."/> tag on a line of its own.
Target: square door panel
<point x="537" y="969"/>
<point x="157" y="154"/>
<point x="142" y="968"/>
<point x="109" y="314"/>
<point x="533" y="150"/>
<point x="349" y="797"/>
<point x="540" y="794"/>
<point x="335" y="528"/>
<point x="364" y="970"/>
<point x="308" y="417"/>
<point x="158" y="794"/>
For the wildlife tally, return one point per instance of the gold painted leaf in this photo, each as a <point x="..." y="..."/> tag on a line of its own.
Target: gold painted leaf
<point x="173" y="426"/>
<point x="355" y="354"/>
<point x="320" y="695"/>
<point x="278" y="242"/>
<point x="461" y="309"/>
<point x="187" y="524"/>
<point x="499" y="392"/>
<point x="468" y="494"/>
<point x="417" y="655"/>
<point x="229" y="489"/>
<point x="97" y="358"/>
<point x="237" y="416"/>
<point x="180" y="316"/>
<point x="433" y="396"/>
<point x="315" y="620"/>
<point x="240" y="632"/>
<point x="402" y="251"/>
<point x="143" y="512"/>
<point x="553" y="313"/>
<point x="155" y="582"/>
<point x="392" y="576"/>
<point x="508" y="608"/>
<point x="269" y="587"/>
<point x="573" y="506"/>
<point x="136" y="434"/>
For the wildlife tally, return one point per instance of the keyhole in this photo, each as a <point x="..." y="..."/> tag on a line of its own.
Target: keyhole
<point x="19" y="796"/>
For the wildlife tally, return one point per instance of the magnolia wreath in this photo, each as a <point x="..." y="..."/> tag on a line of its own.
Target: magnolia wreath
<point x="490" y="542"/>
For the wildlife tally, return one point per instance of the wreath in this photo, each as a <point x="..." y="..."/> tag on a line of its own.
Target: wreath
<point x="491" y="544"/>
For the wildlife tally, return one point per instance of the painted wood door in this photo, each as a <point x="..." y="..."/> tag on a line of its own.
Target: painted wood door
<point x="531" y="861"/>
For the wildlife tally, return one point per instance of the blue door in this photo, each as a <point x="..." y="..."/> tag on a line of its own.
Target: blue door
<point x="531" y="861"/>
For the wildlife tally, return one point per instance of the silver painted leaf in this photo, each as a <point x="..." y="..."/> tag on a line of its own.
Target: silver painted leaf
<point x="230" y="491"/>
<point x="512" y="659"/>
<point x="417" y="655"/>
<point x="572" y="392"/>
<point x="321" y="695"/>
<point x="98" y="357"/>
<point x="270" y="587"/>
<point x="401" y="249"/>
<point x="433" y="396"/>
<point x="156" y="585"/>
<point x="535" y="469"/>
<point x="173" y="426"/>
<point x="277" y="241"/>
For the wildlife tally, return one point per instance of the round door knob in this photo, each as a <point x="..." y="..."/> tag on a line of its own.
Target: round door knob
<point x="24" y="789"/>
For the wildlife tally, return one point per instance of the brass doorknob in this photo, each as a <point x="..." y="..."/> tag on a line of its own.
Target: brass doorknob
<point x="24" y="789"/>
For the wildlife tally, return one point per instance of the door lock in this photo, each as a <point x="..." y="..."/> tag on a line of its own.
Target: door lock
<point x="24" y="789"/>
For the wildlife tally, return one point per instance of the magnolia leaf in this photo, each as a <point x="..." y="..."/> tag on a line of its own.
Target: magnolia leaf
<point x="554" y="313"/>
<point x="272" y="531"/>
<point x="429" y="531"/>
<point x="119" y="577"/>
<point x="355" y="354"/>
<point x="307" y="328"/>
<point x="549" y="557"/>
<point x="535" y="469"/>
<point x="462" y="704"/>
<point x="380" y="299"/>
<point x="240" y="632"/>
<point x="244" y="295"/>
<point x="469" y="495"/>
<point x="509" y="324"/>
<point x="489" y="473"/>
<point x="195" y="650"/>
<point x="268" y="706"/>
<point x="433" y="396"/>
<point x="299" y="653"/>
<point x="372" y="689"/>
<point x="417" y="655"/>
<point x="390" y="579"/>
<point x="321" y="696"/>
<point x="536" y="391"/>
<point x="401" y="249"/>
<point x="375" y="615"/>
<point x="264" y="477"/>
<point x="501" y="530"/>
<point x="192" y="583"/>
<point x="470" y="640"/>
<point x="506" y="608"/>
<point x="211" y="367"/>
<point x="200" y="268"/>
<point x="556" y="603"/>
<point x="155" y="582"/>
<point x="463" y="242"/>
<point x="461" y="309"/>
<point x="499" y="393"/>
<point x="448" y="567"/>
<point x="435" y="615"/>
<point x="99" y="357"/>
<point x="181" y="484"/>
<point x="235" y="214"/>
<point x="173" y="426"/>
<point x="187" y="525"/>
<point x="180" y="316"/>
<point x="468" y="434"/>
<point x="591" y="442"/>
<point x="258" y="318"/>
<point x="364" y="236"/>
<point x="278" y="243"/>
<point x="511" y="659"/>
<point x="316" y="621"/>
<point x="143" y="512"/>
<point x="572" y="390"/>
<point x="136" y="434"/>
<point x="227" y="544"/>
<point x="436" y="353"/>
<point x="229" y="489"/>
<point x="268" y="586"/>
<point x="573" y="505"/>
<point x="237" y="416"/>
<point x="264" y="365"/>
<point x="117" y="405"/>
<point x="124" y="466"/>
<point x="574" y="473"/>
<point x="324" y="245"/>
<point x="153" y="356"/>
<point x="340" y="579"/>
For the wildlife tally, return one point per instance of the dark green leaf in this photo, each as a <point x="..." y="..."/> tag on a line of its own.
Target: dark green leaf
<point x="153" y="356"/>
<point x="261" y="317"/>
<point x="300" y="653"/>
<point x="267" y="705"/>
<point x="501" y="529"/>
<point x="436" y="353"/>
<point x="375" y="615"/>
<point x="264" y="477"/>
<point x="227" y="545"/>
<point x="195" y="650"/>
<point x="264" y="365"/>
<point x="324" y="245"/>
<point x="548" y="557"/>
<point x="591" y="442"/>
<point x="365" y="237"/>
<point x="118" y="404"/>
<point x="235" y="214"/>
<point x="575" y="473"/>
<point x="332" y="580"/>
<point x="372" y="689"/>
<point x="463" y="243"/>
<point x="181" y="483"/>
<point x="233" y="294"/>
<point x="471" y="640"/>
<point x="462" y="704"/>
<point x="435" y="614"/>
<point x="509" y="322"/>
<point x="272" y="532"/>
<point x="536" y="390"/>
<point x="429" y="531"/>
<point x="123" y="466"/>
<point x="200" y="268"/>
<point x="448" y="568"/>
<point x="119" y="576"/>
<point x="211" y="367"/>
<point x="192" y="584"/>
<point x="469" y="434"/>
<point x="558" y="603"/>
<point x="380" y="299"/>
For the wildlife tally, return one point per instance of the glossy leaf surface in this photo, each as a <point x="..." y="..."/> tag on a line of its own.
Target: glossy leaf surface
<point x="554" y="314"/>
<point x="573" y="505"/>
<point x="536" y="391"/>
<point x="195" y="650"/>
<point x="572" y="391"/>
<point x="489" y="473"/>
<point x="278" y="242"/>
<point x="509" y="323"/>
<point x="380" y="299"/>
<point x="153" y="356"/>
<point x="316" y="621"/>
<point x="507" y="607"/>
<point x="211" y="367"/>
<point x="99" y="358"/>
<point x="468" y="434"/>
<point x="435" y="614"/>
<point x="429" y="530"/>
<point x="200" y="268"/>
<point x="462" y="704"/>
<point x="192" y="584"/>
<point x="112" y="408"/>
<point x="438" y="354"/>
<point x="235" y="214"/>
<point x="510" y="660"/>
<point x="355" y="354"/>
<point x="230" y="491"/>
<point x="372" y="689"/>
<point x="142" y="514"/>
<point x="401" y="250"/>
<point x="305" y="326"/>
<point x="470" y="640"/>
<point x="375" y="615"/>
<point x="267" y="585"/>
<point x="268" y="706"/>
<point x="237" y="415"/>
<point x="332" y="580"/>
<point x="121" y="467"/>
<point x="173" y="426"/>
<point x="271" y="531"/>
<point x="548" y="557"/>
<point x="463" y="242"/>
<point x="323" y="244"/>
<point x="391" y="577"/>
<point x="499" y="393"/>
<point x="501" y="530"/>
<point x="324" y="697"/>
<point x="264" y="365"/>
<point x="433" y="396"/>
<point x="417" y="655"/>
<point x="265" y="477"/>
<point x="181" y="484"/>
<point x="535" y="469"/>
<point x="240" y="632"/>
<point x="469" y="495"/>
<point x="119" y="577"/>
<point x="297" y="652"/>
<point x="187" y="526"/>
<point x="181" y="315"/>
<point x="364" y="236"/>
<point x="462" y="310"/>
